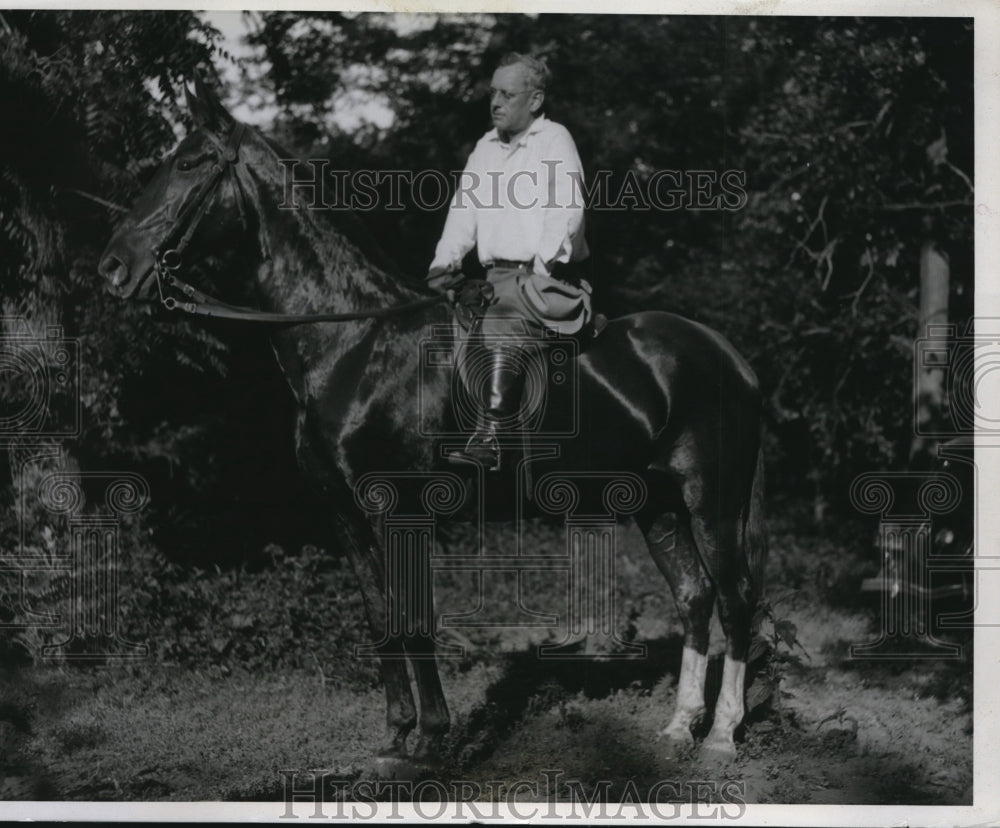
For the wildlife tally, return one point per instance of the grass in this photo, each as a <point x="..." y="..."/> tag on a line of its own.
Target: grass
<point x="287" y="693"/>
<point x="182" y="734"/>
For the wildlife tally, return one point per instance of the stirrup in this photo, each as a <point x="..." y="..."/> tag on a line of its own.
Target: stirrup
<point x="479" y="451"/>
<point x="598" y="324"/>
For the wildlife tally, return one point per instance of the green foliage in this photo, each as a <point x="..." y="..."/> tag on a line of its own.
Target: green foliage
<point x="855" y="136"/>
<point x="91" y="103"/>
<point x="773" y="653"/>
<point x="299" y="611"/>
<point x="86" y="116"/>
<point x="40" y="578"/>
<point x="95" y="111"/>
<point x="852" y="177"/>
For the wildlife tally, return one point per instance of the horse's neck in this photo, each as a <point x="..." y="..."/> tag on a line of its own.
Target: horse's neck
<point x="310" y="266"/>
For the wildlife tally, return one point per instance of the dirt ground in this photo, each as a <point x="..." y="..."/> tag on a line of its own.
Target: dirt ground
<point x="836" y="731"/>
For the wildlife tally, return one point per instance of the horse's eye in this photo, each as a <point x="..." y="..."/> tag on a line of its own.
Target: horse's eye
<point x="189" y="163"/>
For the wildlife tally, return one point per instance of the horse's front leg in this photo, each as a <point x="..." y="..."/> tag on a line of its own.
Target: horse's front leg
<point x="434" y="717"/>
<point x="368" y="559"/>
<point x="415" y="613"/>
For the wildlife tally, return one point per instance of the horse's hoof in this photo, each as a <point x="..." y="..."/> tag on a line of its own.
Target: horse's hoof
<point x="678" y="742"/>
<point x="427" y="753"/>
<point x="717" y="751"/>
<point x="394" y="768"/>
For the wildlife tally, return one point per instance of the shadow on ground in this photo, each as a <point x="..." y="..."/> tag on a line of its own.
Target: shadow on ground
<point x="544" y="696"/>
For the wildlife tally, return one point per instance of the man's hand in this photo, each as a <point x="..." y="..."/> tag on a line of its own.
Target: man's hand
<point x="443" y="278"/>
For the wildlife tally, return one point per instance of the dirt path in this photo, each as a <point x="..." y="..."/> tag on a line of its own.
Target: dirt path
<point x="843" y="732"/>
<point x="843" y="736"/>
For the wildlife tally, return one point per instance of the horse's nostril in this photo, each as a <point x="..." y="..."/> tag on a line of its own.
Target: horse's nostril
<point x="114" y="270"/>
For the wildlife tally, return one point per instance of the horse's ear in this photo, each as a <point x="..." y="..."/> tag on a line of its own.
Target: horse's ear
<point x="206" y="109"/>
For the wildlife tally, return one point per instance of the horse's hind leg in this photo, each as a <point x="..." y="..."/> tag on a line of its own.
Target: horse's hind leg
<point x="672" y="548"/>
<point x="720" y="542"/>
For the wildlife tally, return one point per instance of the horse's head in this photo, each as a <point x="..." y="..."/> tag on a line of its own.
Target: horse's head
<point x="193" y="206"/>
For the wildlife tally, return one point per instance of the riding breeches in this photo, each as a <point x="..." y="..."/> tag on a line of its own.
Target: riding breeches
<point x="542" y="300"/>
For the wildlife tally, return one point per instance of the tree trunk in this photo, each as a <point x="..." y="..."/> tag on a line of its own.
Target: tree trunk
<point x="929" y="390"/>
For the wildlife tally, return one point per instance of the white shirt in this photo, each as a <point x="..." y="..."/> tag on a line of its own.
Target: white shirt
<point x="520" y="202"/>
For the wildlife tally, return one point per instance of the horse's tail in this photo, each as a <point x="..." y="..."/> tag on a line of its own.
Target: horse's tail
<point x="754" y="527"/>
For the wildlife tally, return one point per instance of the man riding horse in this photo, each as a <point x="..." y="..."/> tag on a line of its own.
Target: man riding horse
<point x="519" y="203"/>
<point x="661" y="398"/>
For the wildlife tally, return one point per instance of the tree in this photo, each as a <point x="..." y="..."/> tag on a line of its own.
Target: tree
<point x="91" y="107"/>
<point x="854" y="136"/>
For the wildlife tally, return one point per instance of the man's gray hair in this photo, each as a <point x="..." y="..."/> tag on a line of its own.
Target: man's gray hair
<point x="538" y="70"/>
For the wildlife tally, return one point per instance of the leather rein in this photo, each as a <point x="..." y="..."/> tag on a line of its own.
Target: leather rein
<point x="169" y="257"/>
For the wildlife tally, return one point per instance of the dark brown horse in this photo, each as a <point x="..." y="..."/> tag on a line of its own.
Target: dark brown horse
<point x="659" y="397"/>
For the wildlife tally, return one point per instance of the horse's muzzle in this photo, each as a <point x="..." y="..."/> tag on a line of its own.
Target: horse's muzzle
<point x="123" y="275"/>
<point x="116" y="274"/>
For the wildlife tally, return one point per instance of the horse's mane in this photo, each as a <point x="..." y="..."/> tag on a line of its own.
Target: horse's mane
<point x="356" y="232"/>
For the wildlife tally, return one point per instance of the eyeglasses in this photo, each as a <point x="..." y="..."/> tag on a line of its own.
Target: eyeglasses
<point x="506" y="96"/>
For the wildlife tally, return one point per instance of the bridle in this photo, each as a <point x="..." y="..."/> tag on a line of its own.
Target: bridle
<point x="169" y="255"/>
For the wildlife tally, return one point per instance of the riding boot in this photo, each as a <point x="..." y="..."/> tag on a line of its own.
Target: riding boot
<point x="502" y="403"/>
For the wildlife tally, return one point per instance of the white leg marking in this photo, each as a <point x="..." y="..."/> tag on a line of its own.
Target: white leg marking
<point x="690" y="696"/>
<point x="728" y="710"/>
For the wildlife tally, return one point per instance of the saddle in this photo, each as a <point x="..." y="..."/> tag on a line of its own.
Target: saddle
<point x="472" y="299"/>
<point x="474" y="296"/>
